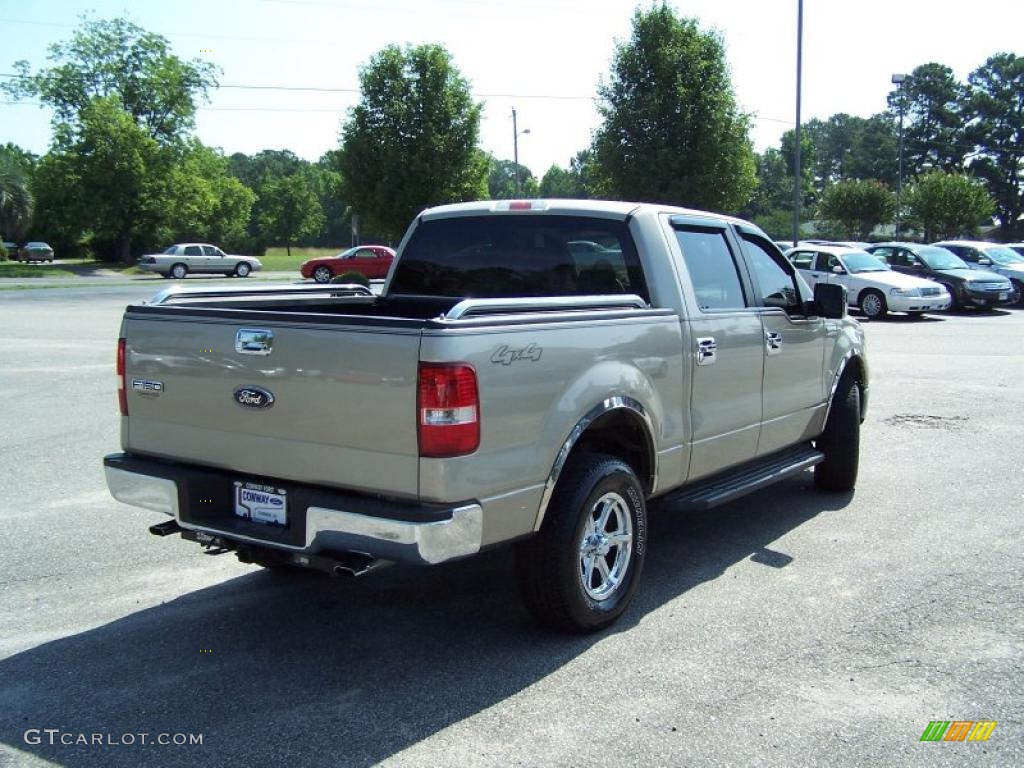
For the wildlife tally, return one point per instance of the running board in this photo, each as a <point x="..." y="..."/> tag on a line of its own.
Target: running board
<point x="739" y="481"/>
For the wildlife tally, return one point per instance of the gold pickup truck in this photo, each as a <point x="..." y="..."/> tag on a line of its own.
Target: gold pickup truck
<point x="508" y="386"/>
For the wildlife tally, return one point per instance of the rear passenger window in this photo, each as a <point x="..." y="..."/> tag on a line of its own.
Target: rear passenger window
<point x="193" y="250"/>
<point x="713" y="272"/>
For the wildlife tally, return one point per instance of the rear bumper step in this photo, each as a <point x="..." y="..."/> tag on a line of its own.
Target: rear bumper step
<point x="739" y="481"/>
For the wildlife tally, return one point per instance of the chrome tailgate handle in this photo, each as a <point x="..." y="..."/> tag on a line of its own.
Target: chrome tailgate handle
<point x="707" y="351"/>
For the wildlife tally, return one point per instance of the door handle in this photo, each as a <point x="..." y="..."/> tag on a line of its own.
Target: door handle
<point x="707" y="351"/>
<point x="773" y="342"/>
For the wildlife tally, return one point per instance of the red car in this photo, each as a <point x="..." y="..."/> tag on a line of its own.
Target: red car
<point x="373" y="261"/>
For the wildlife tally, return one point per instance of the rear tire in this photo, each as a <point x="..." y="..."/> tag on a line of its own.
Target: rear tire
<point x="840" y="442"/>
<point x="179" y="271"/>
<point x="579" y="573"/>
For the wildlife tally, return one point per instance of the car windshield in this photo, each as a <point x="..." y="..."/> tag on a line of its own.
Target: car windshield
<point x="171" y="249"/>
<point x="861" y="261"/>
<point x="1004" y="256"/>
<point x="940" y="258"/>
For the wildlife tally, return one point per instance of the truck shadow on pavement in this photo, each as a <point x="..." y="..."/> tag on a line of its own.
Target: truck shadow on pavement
<point x="302" y="670"/>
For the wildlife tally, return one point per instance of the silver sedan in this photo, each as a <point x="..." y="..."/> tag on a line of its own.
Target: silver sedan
<point x="201" y="258"/>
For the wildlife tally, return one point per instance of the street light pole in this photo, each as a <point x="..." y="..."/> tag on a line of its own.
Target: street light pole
<point x="515" y="149"/>
<point x="898" y="80"/>
<point x="796" y="164"/>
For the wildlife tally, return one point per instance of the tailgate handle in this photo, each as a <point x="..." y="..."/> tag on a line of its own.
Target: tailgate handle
<point x="254" y="341"/>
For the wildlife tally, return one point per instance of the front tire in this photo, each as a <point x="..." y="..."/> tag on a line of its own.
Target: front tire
<point x="579" y="573"/>
<point x="840" y="442"/>
<point x="872" y="304"/>
<point x="242" y="269"/>
<point x="954" y="302"/>
<point x="178" y="271"/>
<point x="323" y="274"/>
<point x="1017" y="293"/>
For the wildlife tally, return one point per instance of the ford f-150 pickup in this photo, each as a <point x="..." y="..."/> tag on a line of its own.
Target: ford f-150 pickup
<point x="506" y="387"/>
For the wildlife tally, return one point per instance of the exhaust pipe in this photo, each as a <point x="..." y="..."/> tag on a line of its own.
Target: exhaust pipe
<point x="353" y="564"/>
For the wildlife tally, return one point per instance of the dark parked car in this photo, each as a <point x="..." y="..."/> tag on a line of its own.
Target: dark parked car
<point x="992" y="257"/>
<point x="968" y="287"/>
<point x="35" y="251"/>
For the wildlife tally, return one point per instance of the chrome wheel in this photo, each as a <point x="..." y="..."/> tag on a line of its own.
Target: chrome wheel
<point x="178" y="271"/>
<point x="242" y="270"/>
<point x="872" y="304"/>
<point x="322" y="274"/>
<point x="606" y="547"/>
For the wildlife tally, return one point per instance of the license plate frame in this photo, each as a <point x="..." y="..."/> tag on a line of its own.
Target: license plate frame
<point x="260" y="503"/>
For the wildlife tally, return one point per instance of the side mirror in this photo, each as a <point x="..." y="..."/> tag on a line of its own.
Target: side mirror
<point x="983" y="262"/>
<point x="830" y="300"/>
<point x="838" y="270"/>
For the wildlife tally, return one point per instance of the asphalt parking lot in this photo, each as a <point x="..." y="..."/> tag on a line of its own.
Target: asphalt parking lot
<point x="788" y="628"/>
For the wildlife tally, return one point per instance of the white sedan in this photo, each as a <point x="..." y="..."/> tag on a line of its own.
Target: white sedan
<point x="871" y="284"/>
<point x="202" y="258"/>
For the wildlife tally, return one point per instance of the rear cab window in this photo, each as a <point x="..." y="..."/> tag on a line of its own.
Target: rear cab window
<point x="520" y="255"/>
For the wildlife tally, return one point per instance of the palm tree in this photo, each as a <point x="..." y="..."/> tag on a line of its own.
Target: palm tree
<point x="16" y="200"/>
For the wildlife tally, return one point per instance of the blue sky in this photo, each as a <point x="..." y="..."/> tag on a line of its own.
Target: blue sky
<point x="543" y="57"/>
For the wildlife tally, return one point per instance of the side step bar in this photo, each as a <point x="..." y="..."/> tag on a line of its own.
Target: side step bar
<point x="739" y="481"/>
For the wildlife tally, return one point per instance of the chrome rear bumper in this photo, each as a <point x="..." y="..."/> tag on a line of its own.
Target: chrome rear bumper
<point x="450" y="533"/>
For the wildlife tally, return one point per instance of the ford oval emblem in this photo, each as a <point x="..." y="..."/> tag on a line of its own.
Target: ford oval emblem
<point x="253" y="397"/>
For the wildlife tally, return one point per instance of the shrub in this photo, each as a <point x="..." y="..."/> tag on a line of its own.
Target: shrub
<point x="352" y="277"/>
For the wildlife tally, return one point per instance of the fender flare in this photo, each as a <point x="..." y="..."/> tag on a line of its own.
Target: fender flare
<point x="603" y="408"/>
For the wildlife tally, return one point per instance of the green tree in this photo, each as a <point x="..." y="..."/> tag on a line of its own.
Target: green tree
<point x="115" y="58"/>
<point x="327" y="184"/>
<point x="16" y="200"/>
<point x="291" y="210"/>
<point x="411" y="142"/>
<point x="933" y="134"/>
<point x="846" y="147"/>
<point x="947" y="205"/>
<point x="857" y="207"/>
<point x="672" y="131"/>
<point x="209" y="203"/>
<point x="501" y="180"/>
<point x="558" y="182"/>
<point x="996" y="106"/>
<point x="123" y="105"/>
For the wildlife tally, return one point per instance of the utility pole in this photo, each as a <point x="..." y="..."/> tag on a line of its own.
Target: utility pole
<point x="796" y="164"/>
<point x="898" y="80"/>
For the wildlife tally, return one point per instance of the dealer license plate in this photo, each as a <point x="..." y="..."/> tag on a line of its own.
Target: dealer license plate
<point x="261" y="503"/>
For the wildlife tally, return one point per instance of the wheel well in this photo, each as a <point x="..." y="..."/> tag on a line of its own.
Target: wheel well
<point x="622" y="434"/>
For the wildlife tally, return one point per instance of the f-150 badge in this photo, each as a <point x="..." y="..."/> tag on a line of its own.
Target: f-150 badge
<point x="507" y="356"/>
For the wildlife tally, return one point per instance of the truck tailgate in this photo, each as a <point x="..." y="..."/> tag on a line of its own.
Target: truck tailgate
<point x="344" y="398"/>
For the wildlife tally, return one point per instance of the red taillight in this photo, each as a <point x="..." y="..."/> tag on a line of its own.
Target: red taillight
<point x="122" y="395"/>
<point x="448" y="411"/>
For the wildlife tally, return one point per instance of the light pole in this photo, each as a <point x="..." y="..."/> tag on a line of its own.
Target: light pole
<point x="898" y="80"/>
<point x="515" y="148"/>
<point x="796" y="163"/>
